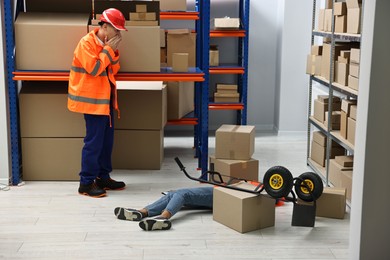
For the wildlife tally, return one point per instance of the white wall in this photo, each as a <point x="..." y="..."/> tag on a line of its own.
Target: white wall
<point x="294" y="26"/>
<point x="370" y="210"/>
<point x="4" y="136"/>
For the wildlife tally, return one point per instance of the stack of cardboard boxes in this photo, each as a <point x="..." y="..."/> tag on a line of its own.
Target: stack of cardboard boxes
<point x="139" y="143"/>
<point x="141" y="17"/>
<point x="353" y="78"/>
<point x="354" y="8"/>
<point x="173" y="5"/>
<point x="51" y="136"/>
<point x="321" y="106"/>
<point x="341" y="72"/>
<point x="340" y="16"/>
<point x="226" y="93"/>
<point x="318" y="148"/>
<point x="241" y="211"/>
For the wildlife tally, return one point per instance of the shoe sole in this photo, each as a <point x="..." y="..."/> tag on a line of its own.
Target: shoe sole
<point x="152" y="224"/>
<point x="123" y="214"/>
<point x="113" y="189"/>
<point x="96" y="196"/>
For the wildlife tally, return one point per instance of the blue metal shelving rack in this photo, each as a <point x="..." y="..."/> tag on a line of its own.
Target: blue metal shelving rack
<point x="201" y="91"/>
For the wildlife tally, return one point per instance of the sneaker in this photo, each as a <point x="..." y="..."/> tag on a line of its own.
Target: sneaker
<point x="155" y="223"/>
<point x="110" y="184"/>
<point x="91" y="190"/>
<point x="128" y="214"/>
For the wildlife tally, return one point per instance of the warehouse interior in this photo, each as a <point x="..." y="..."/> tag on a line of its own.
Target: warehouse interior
<point x="44" y="219"/>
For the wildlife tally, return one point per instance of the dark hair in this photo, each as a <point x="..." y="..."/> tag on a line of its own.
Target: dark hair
<point x="101" y="23"/>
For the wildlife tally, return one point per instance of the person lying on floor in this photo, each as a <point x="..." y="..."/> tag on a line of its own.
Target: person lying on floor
<point x="157" y="215"/>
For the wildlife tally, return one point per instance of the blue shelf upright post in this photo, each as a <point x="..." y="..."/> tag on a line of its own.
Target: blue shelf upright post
<point x="198" y="85"/>
<point x="12" y="91"/>
<point x="204" y="96"/>
<point x="243" y="60"/>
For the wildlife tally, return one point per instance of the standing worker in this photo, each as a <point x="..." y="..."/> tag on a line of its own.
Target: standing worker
<point x="92" y="91"/>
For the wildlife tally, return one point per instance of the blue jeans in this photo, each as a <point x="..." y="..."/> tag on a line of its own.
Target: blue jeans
<point x="175" y="200"/>
<point x="97" y="150"/>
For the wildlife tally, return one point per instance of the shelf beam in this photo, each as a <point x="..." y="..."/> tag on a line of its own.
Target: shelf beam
<point x="179" y="15"/>
<point x="227" y="33"/>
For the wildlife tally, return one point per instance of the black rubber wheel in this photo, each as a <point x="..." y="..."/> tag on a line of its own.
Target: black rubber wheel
<point x="278" y="182"/>
<point x="313" y="182"/>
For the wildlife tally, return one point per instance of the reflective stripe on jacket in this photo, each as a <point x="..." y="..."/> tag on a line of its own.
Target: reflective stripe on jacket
<point x="93" y="68"/>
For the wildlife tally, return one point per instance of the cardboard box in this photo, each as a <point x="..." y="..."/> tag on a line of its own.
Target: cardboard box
<point x="52" y="50"/>
<point x="319" y="110"/>
<point x="310" y="64"/>
<point x="141" y="8"/>
<point x="227" y="88"/>
<point x="138" y="149"/>
<point x="353" y="82"/>
<point x="226" y="98"/>
<point x="345" y="160"/>
<point x="326" y="56"/>
<point x="243" y="211"/>
<point x="351" y="129"/>
<point x="332" y="203"/>
<point x="173" y="5"/>
<point x="241" y="169"/>
<point x="346" y="105"/>
<point x="143" y="16"/>
<point x="335" y="170"/>
<point x="353" y="3"/>
<point x="325" y="99"/>
<point x="140" y="49"/>
<point x="317" y="65"/>
<point x="180" y="62"/>
<point x="319" y="138"/>
<point x="340" y="24"/>
<point x="235" y="142"/>
<point x="328" y="20"/>
<point x="321" y="20"/>
<point x="181" y="41"/>
<point x="346" y="182"/>
<point x="43" y="111"/>
<point x="354" y="70"/>
<point x="138" y="105"/>
<point x="214" y="58"/>
<point x="343" y="124"/>
<point x="353" y="20"/>
<point x="353" y="111"/>
<point x="316" y="50"/>
<point x="341" y="73"/>
<point x="142" y="23"/>
<point x="340" y="8"/>
<point x="51" y="159"/>
<point x="335" y="118"/>
<point x="329" y="4"/>
<point x="355" y="55"/>
<point x="180" y="99"/>
<point x="227" y="23"/>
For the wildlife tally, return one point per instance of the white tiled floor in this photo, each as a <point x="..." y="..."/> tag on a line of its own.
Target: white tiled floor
<point x="49" y="220"/>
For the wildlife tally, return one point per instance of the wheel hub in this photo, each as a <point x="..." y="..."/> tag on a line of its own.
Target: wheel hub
<point x="309" y="184"/>
<point x="276" y="181"/>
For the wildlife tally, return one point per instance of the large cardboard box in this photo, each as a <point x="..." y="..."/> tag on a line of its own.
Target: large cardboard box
<point x="180" y="99"/>
<point x="138" y="149"/>
<point x="173" y="5"/>
<point x="353" y="20"/>
<point x="181" y="41"/>
<point x="235" y="142"/>
<point x="243" y="211"/>
<point x="332" y="203"/>
<point x="242" y="169"/>
<point x="44" y="113"/>
<point x="140" y="49"/>
<point x="51" y="159"/>
<point x="53" y="49"/>
<point x="142" y="109"/>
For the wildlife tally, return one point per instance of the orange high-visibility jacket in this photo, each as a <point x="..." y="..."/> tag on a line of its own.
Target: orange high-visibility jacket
<point x="93" y="68"/>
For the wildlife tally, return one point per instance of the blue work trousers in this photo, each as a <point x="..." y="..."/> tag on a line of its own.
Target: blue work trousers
<point x="97" y="150"/>
<point x="175" y="200"/>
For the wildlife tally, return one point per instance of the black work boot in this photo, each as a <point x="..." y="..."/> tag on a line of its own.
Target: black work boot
<point x="91" y="190"/>
<point x="110" y="184"/>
